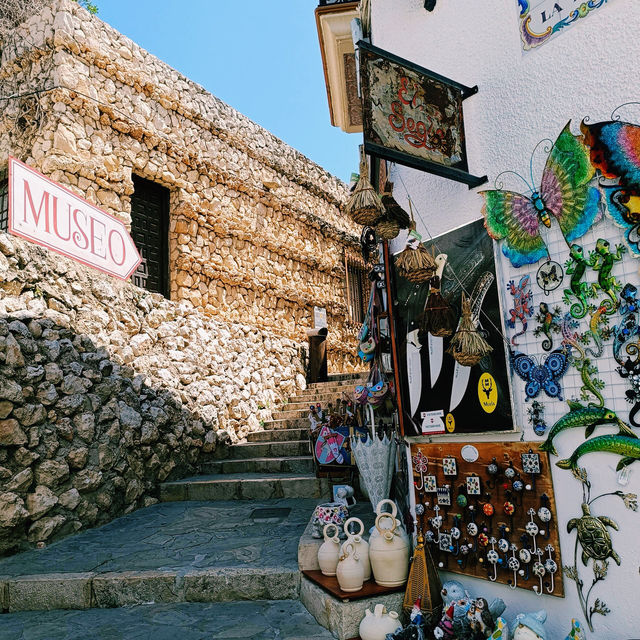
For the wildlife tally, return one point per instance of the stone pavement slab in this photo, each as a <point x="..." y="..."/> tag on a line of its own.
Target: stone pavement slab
<point x="176" y="536"/>
<point x="263" y="620"/>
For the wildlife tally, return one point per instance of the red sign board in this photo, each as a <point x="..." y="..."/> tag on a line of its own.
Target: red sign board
<point x="50" y="215"/>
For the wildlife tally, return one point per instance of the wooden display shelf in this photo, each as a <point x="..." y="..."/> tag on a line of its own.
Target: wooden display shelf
<point x="331" y="586"/>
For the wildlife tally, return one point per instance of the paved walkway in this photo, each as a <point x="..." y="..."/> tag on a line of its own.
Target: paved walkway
<point x="179" y="537"/>
<point x="264" y="620"/>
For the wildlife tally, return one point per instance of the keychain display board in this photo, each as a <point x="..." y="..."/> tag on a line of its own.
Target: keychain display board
<point x="435" y="387"/>
<point x="482" y="493"/>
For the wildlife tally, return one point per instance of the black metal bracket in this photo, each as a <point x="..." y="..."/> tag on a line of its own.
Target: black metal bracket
<point x="429" y="5"/>
<point x="451" y="173"/>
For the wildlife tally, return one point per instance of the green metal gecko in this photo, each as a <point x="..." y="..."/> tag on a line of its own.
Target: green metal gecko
<point x="576" y="267"/>
<point x="549" y="324"/>
<point x="590" y="384"/>
<point x="599" y="330"/>
<point x="602" y="261"/>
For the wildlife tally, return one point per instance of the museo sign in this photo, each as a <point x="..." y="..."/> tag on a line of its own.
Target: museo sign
<point x="541" y="20"/>
<point x="413" y="116"/>
<point x="46" y="213"/>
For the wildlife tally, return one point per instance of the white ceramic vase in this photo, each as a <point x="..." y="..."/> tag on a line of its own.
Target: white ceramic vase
<point x="360" y="544"/>
<point x="389" y="554"/>
<point x="329" y="551"/>
<point x="350" y="572"/>
<point x="376" y="625"/>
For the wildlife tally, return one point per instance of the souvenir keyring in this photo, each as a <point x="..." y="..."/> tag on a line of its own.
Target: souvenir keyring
<point x="492" y="559"/>
<point x="436" y="523"/>
<point x="539" y="571"/>
<point x="514" y="565"/>
<point x="532" y="528"/>
<point x="455" y="535"/>
<point x="493" y="470"/>
<point x="420" y="466"/>
<point x="525" y="557"/>
<point x="551" y="566"/>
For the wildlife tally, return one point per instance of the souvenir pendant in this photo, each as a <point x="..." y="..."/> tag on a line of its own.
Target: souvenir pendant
<point x="551" y="567"/>
<point x="538" y="571"/>
<point x="450" y="467"/>
<point x="549" y="276"/>
<point x="536" y="418"/>
<point x="514" y="565"/>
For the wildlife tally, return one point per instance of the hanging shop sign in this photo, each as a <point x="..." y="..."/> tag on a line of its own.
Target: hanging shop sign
<point x="413" y="116"/>
<point x="453" y="364"/>
<point x="541" y="20"/>
<point x="46" y="213"/>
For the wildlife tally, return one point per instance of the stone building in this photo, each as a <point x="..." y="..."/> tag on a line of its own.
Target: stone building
<point x="107" y="387"/>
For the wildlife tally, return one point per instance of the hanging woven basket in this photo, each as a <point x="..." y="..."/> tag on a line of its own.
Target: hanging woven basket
<point x="438" y="318"/>
<point x="387" y="229"/>
<point x="364" y="206"/>
<point x="467" y="346"/>
<point x="416" y="265"/>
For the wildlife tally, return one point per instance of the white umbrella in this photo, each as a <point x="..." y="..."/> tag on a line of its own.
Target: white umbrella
<point x="376" y="461"/>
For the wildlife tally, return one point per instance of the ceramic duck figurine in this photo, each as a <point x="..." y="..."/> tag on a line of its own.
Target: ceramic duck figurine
<point x="376" y="625"/>
<point x="528" y="626"/>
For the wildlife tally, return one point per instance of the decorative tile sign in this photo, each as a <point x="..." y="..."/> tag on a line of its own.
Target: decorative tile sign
<point x="413" y="116"/>
<point x="541" y="20"/>
<point x="50" y="215"/>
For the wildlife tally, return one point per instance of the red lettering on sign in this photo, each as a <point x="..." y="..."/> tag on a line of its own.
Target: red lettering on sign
<point x="36" y="216"/>
<point x="99" y="238"/>
<point x="113" y="257"/>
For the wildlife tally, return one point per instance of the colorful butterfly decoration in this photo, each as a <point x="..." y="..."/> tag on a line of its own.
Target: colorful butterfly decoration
<point x="615" y="152"/>
<point x="565" y="194"/>
<point x="545" y="377"/>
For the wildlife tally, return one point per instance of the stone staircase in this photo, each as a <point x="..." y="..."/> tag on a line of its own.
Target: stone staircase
<point x="217" y="557"/>
<point x="274" y="463"/>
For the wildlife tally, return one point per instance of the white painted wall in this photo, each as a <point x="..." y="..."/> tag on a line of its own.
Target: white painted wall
<point x="588" y="70"/>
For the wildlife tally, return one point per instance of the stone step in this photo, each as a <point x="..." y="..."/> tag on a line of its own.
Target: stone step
<point x="288" y="412"/>
<point x="170" y="552"/>
<point x="331" y="384"/>
<point x="245" y="486"/>
<point x="278" y="435"/>
<point x="238" y="620"/>
<point x="339" y="377"/>
<point x="268" y="449"/>
<point x="295" y="464"/>
<point x="322" y="398"/>
<point x="294" y="424"/>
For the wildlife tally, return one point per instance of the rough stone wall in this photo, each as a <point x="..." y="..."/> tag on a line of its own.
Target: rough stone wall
<point x="106" y="390"/>
<point x="256" y="234"/>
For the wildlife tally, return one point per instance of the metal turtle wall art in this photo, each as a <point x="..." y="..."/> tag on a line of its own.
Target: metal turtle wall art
<point x="593" y="535"/>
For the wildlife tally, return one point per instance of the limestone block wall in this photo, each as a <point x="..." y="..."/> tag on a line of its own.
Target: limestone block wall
<point x="256" y="233"/>
<point x="107" y="390"/>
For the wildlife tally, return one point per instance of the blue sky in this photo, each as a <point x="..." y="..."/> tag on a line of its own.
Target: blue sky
<point x="261" y="57"/>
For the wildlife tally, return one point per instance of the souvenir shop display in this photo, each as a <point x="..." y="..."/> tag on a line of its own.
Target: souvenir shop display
<point x="503" y="515"/>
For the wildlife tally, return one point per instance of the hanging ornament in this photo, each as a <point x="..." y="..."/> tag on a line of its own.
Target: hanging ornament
<point x="549" y="276"/>
<point x="364" y="206"/>
<point x="415" y="262"/>
<point x="439" y="319"/>
<point x="522" y="309"/>
<point x="467" y="346"/>
<point x="548" y="324"/>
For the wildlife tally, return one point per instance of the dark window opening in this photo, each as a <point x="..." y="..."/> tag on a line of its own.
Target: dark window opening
<point x="4" y="200"/>
<point x="358" y="287"/>
<point x="150" y="232"/>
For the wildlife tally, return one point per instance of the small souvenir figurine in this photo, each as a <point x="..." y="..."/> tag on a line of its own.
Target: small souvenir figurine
<point x="577" y="632"/>
<point x="529" y="626"/>
<point x="451" y="592"/>
<point x="480" y="619"/>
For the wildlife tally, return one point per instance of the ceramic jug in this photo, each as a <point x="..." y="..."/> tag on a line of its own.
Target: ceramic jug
<point x="376" y="625"/>
<point x="399" y="531"/>
<point x="349" y="572"/>
<point x="329" y="551"/>
<point x="360" y="544"/>
<point x="389" y="554"/>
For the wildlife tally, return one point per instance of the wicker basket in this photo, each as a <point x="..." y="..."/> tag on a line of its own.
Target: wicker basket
<point x="387" y="229"/>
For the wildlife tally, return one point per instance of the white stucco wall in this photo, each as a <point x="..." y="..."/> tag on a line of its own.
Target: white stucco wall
<point x="588" y="70"/>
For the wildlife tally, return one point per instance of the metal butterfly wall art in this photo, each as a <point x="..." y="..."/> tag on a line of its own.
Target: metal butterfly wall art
<point x="541" y="377"/>
<point x="615" y="152"/>
<point x="565" y="194"/>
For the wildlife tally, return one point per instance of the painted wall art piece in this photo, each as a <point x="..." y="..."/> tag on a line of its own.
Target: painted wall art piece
<point x="439" y="388"/>
<point x="413" y="116"/>
<point x="542" y="20"/>
<point x="594" y="545"/>
<point x="502" y="524"/>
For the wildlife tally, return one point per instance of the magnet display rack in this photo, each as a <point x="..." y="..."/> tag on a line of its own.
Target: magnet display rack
<point x="477" y="493"/>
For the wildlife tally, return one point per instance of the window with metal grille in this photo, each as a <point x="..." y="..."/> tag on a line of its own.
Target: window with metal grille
<point x="150" y="232"/>
<point x="358" y="287"/>
<point x="4" y="200"/>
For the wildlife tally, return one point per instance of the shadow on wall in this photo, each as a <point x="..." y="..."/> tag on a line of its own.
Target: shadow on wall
<point x="82" y="439"/>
